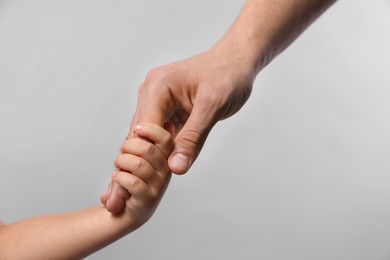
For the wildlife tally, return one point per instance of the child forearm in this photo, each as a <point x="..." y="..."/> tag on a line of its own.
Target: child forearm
<point x="145" y="175"/>
<point x="63" y="236"/>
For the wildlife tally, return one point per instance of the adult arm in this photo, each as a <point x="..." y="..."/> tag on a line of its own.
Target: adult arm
<point x="196" y="93"/>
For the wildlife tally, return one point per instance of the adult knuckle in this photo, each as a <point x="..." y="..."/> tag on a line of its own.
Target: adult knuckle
<point x="154" y="79"/>
<point x="154" y="83"/>
<point x="154" y="75"/>
<point x="211" y="102"/>
<point x="190" y="136"/>
<point x="211" y="98"/>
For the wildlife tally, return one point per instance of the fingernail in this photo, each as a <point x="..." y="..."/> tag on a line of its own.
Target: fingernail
<point x="138" y="127"/>
<point x="180" y="161"/>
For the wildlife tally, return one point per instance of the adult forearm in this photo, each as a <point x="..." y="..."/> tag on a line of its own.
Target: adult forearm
<point x="265" y="28"/>
<point x="62" y="236"/>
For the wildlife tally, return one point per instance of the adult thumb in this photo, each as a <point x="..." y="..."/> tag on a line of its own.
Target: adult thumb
<point x="189" y="141"/>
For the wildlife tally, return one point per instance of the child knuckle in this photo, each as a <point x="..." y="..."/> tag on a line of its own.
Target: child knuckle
<point x="134" y="182"/>
<point x="124" y="147"/>
<point x="148" y="149"/>
<point x="167" y="140"/>
<point x="138" y="164"/>
<point x="118" y="161"/>
<point x="154" y="195"/>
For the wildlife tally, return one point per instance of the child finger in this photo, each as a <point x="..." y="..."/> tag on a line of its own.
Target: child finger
<point x="161" y="137"/>
<point x="135" y="165"/>
<point x="134" y="185"/>
<point x="146" y="150"/>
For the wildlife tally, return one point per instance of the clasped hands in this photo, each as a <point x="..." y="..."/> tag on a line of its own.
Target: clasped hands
<point x="190" y="97"/>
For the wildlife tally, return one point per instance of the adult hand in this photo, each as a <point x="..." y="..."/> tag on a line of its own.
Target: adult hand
<point x="196" y="93"/>
<point x="193" y="94"/>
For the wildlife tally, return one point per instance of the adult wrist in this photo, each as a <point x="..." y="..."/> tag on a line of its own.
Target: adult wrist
<point x="248" y="59"/>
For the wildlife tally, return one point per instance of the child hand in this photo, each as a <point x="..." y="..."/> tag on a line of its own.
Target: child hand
<point x="143" y="170"/>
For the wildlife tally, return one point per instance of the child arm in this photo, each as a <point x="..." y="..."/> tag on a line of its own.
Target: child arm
<point x="63" y="236"/>
<point x="142" y="170"/>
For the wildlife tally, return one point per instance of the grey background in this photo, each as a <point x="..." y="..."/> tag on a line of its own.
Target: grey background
<point x="301" y="172"/>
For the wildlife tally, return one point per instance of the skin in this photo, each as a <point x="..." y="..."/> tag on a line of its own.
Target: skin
<point x="195" y="93"/>
<point x="142" y="171"/>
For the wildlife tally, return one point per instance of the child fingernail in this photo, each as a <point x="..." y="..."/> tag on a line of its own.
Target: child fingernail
<point x="138" y="127"/>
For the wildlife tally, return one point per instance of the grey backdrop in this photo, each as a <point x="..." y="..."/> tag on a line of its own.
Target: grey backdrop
<point x="301" y="172"/>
